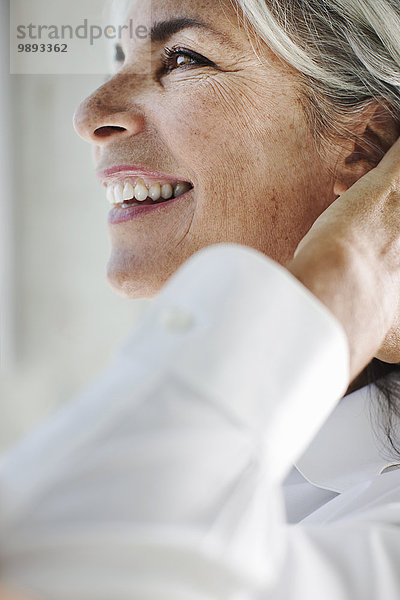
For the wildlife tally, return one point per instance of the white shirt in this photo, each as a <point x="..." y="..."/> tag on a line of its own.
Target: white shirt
<point x="213" y="460"/>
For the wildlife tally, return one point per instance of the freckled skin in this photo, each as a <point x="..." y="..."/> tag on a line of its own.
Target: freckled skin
<point x="238" y="134"/>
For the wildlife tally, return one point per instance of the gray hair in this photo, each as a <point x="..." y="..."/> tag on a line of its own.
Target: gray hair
<point x="347" y="53"/>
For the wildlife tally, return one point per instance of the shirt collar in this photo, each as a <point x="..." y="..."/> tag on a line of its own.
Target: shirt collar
<point x="347" y="450"/>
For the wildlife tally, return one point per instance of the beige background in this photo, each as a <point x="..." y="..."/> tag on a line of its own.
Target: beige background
<point x="84" y="55"/>
<point x="60" y="320"/>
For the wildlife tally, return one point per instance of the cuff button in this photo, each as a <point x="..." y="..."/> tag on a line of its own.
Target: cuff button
<point x="176" y="319"/>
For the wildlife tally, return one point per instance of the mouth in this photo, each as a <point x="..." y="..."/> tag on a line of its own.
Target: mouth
<point x="132" y="192"/>
<point x="131" y="196"/>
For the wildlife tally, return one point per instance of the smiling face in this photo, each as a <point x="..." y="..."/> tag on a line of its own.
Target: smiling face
<point x="216" y="117"/>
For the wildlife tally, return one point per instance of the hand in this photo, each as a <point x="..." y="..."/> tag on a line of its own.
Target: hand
<point x="350" y="260"/>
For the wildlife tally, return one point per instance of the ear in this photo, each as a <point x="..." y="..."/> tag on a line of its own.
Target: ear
<point x="377" y="130"/>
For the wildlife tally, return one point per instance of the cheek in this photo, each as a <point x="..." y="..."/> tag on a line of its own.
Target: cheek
<point x="256" y="150"/>
<point x="223" y="126"/>
<point x="185" y="128"/>
<point x="206" y="124"/>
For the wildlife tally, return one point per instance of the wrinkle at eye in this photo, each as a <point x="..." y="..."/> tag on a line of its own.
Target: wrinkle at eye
<point x="253" y="103"/>
<point x="233" y="100"/>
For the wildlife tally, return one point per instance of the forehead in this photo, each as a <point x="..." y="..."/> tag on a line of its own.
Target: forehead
<point x="223" y="20"/>
<point x="215" y="13"/>
<point x="137" y="8"/>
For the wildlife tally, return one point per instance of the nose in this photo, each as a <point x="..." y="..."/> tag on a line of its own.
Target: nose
<point x="108" y="114"/>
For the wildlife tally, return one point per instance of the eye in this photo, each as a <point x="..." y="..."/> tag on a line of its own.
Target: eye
<point x="119" y="56"/>
<point x="175" y="58"/>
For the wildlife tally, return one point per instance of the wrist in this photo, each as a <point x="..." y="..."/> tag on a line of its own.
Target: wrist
<point x="343" y="280"/>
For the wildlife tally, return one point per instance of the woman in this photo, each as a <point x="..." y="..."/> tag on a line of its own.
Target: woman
<point x="271" y="126"/>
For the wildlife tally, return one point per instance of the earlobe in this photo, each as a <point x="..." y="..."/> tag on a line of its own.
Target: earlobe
<point x="373" y="136"/>
<point x="339" y="188"/>
<point x="347" y="173"/>
<point x="371" y="146"/>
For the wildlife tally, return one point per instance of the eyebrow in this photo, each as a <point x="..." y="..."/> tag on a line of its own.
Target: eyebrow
<point x="163" y="30"/>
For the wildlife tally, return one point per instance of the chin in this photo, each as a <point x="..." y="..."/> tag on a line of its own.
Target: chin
<point x="128" y="285"/>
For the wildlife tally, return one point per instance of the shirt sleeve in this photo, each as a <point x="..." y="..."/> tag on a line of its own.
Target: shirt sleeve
<point x="163" y="479"/>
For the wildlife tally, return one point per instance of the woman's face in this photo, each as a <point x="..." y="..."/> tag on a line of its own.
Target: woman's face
<point x="224" y="121"/>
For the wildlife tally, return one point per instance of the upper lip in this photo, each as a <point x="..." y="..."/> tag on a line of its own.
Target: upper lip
<point x="105" y="175"/>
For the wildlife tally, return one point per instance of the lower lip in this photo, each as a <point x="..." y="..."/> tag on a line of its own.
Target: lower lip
<point x="122" y="215"/>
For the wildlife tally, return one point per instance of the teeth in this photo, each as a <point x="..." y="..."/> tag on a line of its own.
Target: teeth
<point x="120" y="193"/>
<point x="141" y="191"/>
<point x="129" y="191"/>
<point x="167" y="191"/>
<point x="110" y="194"/>
<point x="181" y="188"/>
<point x="155" y="192"/>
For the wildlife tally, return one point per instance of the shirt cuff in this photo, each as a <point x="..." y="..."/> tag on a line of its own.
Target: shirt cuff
<point x="242" y="330"/>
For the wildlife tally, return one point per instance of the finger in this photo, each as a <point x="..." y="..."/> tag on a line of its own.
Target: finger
<point x="390" y="163"/>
